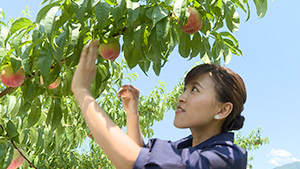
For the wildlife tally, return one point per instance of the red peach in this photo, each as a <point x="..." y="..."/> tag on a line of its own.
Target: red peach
<point x="16" y="161"/>
<point x="194" y="22"/>
<point x="52" y="85"/>
<point x="8" y="78"/>
<point x="110" y="50"/>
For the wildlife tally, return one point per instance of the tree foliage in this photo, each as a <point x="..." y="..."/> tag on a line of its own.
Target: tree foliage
<point x="44" y="124"/>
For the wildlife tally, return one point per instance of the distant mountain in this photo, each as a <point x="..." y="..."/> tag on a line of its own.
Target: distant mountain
<point x="294" y="165"/>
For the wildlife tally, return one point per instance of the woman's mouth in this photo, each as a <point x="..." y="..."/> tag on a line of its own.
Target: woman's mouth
<point x="179" y="109"/>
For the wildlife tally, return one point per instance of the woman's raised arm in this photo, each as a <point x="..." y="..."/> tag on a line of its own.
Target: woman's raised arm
<point x="115" y="143"/>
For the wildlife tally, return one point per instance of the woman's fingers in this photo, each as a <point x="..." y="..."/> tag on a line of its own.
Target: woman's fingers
<point x="125" y="90"/>
<point x="135" y="90"/>
<point x="83" y="54"/>
<point x="121" y="91"/>
<point x="89" y="54"/>
<point x="86" y="69"/>
<point x="93" y="53"/>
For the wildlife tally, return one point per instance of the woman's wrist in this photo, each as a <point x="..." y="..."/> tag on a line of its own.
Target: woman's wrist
<point x="132" y="113"/>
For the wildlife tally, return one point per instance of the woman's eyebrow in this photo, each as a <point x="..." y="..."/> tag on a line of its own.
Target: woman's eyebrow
<point x="197" y="84"/>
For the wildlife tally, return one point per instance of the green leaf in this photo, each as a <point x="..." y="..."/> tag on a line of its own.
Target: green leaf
<point x="19" y="24"/>
<point x="196" y="45"/>
<point x="226" y="54"/>
<point x="75" y="35"/>
<point x="96" y="84"/>
<point x="153" y="53"/>
<point x="57" y="114"/>
<point x="261" y="7"/>
<point x="25" y="57"/>
<point x="233" y="48"/>
<point x="45" y="61"/>
<point x="118" y="11"/>
<point x="180" y="10"/>
<point x="134" y="58"/>
<point x="94" y="3"/>
<point x="240" y="4"/>
<point x="157" y="13"/>
<point x="248" y="9"/>
<point x="6" y="154"/>
<point x="138" y="35"/>
<point x="3" y="35"/>
<point x="156" y="68"/>
<point x="133" y="11"/>
<point x="217" y="51"/>
<point x="11" y="129"/>
<point x="185" y="45"/>
<point x="102" y="13"/>
<point x="50" y="113"/>
<point x="24" y="108"/>
<point x="229" y="35"/>
<point x="162" y="29"/>
<point x="35" y="113"/>
<point x="206" y="53"/>
<point x="28" y="90"/>
<point x="42" y="13"/>
<point x="233" y="20"/>
<point x="3" y="153"/>
<point x="111" y="2"/>
<point x="80" y="13"/>
<point x="66" y="88"/>
<point x="11" y="103"/>
<point x="18" y="40"/>
<point x="40" y="139"/>
<point x="60" y="42"/>
<point x="49" y="21"/>
<point x="128" y="48"/>
<point x="145" y="65"/>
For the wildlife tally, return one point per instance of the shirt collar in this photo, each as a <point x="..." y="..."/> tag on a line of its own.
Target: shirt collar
<point x="187" y="141"/>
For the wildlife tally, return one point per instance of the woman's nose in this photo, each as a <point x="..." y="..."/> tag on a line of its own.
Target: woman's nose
<point x="181" y="98"/>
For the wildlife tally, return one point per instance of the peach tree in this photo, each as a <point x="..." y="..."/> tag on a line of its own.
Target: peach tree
<point x="40" y="118"/>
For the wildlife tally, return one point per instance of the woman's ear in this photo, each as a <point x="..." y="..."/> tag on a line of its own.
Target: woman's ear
<point x="225" y="110"/>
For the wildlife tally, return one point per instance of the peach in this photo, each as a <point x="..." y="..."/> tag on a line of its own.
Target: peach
<point x="52" y="85"/>
<point x="110" y="50"/>
<point x="194" y="22"/>
<point x="8" y="78"/>
<point x="16" y="161"/>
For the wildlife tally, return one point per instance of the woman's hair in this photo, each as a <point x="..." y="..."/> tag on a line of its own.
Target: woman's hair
<point x="229" y="87"/>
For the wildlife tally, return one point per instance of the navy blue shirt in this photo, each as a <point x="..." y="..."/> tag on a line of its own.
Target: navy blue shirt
<point x="218" y="152"/>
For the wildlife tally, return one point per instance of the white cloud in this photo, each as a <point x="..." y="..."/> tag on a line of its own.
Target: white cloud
<point x="280" y="157"/>
<point x="279" y="153"/>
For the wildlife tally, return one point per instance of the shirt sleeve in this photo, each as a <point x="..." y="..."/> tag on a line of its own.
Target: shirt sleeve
<point x="163" y="154"/>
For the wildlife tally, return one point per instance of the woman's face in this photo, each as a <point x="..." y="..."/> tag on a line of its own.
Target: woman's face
<point x="197" y="105"/>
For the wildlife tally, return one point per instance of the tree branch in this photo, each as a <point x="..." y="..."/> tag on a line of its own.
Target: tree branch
<point x="6" y="91"/>
<point x="12" y="142"/>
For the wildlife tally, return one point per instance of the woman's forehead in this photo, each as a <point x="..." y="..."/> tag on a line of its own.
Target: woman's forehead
<point x="196" y="77"/>
<point x="202" y="80"/>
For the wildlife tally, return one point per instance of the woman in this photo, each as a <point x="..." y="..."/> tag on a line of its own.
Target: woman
<point x="210" y="105"/>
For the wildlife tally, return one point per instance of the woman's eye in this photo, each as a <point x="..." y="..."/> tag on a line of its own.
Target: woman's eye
<point x="194" y="89"/>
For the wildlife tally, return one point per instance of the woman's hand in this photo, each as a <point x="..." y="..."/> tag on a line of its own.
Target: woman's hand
<point x="130" y="97"/>
<point x="86" y="69"/>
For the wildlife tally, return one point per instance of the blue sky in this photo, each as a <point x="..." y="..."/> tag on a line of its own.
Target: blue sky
<point x="269" y="67"/>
